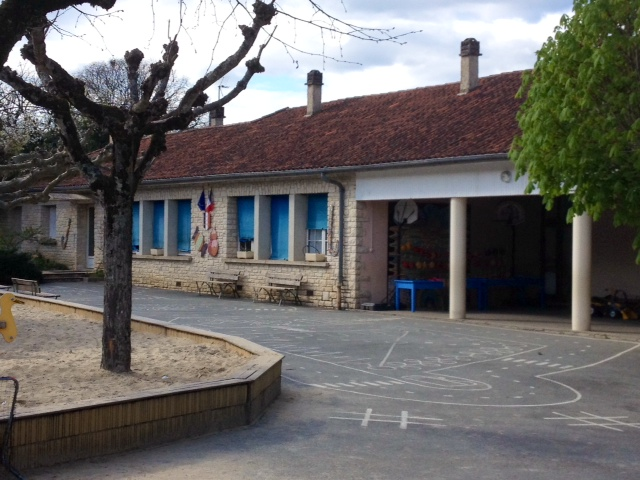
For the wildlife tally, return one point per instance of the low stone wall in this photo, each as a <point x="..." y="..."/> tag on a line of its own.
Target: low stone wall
<point x="87" y="429"/>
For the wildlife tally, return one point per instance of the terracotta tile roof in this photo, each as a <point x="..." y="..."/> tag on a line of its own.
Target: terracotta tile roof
<point x="423" y="123"/>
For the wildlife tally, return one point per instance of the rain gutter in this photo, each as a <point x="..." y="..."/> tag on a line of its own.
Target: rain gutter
<point x="323" y="176"/>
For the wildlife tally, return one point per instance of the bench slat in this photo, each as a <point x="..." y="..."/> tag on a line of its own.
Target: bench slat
<point x="280" y="286"/>
<point x="23" y="285"/>
<point x="225" y="280"/>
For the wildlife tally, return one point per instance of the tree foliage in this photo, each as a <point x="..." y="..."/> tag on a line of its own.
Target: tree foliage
<point x="23" y="126"/>
<point x="580" y="121"/>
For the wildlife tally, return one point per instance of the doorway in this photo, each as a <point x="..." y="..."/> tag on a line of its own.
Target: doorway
<point x="90" y="238"/>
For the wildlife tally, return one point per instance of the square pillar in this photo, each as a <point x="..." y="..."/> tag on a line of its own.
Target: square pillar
<point x="262" y="225"/>
<point x="298" y="207"/>
<point x="146" y="227"/>
<point x="171" y="227"/>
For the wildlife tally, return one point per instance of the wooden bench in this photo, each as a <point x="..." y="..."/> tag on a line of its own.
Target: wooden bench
<point x="5" y="287"/>
<point x="280" y="287"/>
<point x="222" y="280"/>
<point x="30" y="287"/>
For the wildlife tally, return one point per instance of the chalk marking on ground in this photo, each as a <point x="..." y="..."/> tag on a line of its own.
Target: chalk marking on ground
<point x="391" y="349"/>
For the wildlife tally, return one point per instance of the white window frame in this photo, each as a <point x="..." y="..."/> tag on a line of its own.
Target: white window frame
<point x="322" y="241"/>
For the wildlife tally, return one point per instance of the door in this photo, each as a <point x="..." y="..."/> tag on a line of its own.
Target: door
<point x="90" y="238"/>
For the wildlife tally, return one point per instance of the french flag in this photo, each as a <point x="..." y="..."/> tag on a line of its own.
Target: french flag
<point x="208" y="209"/>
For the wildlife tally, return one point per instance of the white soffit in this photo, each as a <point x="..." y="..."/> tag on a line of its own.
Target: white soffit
<point x="69" y="197"/>
<point x="486" y="179"/>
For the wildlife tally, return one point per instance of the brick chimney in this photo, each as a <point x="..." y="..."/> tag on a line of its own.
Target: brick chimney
<point x="314" y="92"/>
<point x="216" y="117"/>
<point x="469" y="54"/>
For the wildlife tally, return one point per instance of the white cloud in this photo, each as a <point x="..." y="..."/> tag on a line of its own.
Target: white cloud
<point x="509" y="32"/>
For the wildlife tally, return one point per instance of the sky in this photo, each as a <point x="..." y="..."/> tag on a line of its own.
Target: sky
<point x="509" y="31"/>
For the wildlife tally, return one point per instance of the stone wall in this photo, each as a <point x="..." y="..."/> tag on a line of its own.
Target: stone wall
<point x="320" y="279"/>
<point x="319" y="286"/>
<point x="70" y="232"/>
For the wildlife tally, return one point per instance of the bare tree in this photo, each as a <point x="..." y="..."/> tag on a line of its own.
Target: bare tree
<point x="107" y="83"/>
<point x="146" y="113"/>
<point x="29" y="151"/>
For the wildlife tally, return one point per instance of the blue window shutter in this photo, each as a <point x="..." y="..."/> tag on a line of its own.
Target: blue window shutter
<point x="136" y="227"/>
<point x="158" y="224"/>
<point x="317" y="212"/>
<point x="280" y="227"/>
<point x="184" y="226"/>
<point x="246" y="209"/>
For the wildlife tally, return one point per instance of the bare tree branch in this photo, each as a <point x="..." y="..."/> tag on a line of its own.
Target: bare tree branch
<point x="30" y="170"/>
<point x="115" y="172"/>
<point x="264" y="13"/>
<point x="17" y="16"/>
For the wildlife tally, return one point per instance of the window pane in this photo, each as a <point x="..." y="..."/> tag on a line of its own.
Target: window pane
<point x="184" y="226"/>
<point x="136" y="227"/>
<point x="317" y="211"/>
<point x="246" y="209"/>
<point x="158" y="224"/>
<point x="91" y="240"/>
<point x="280" y="227"/>
<point x="52" y="222"/>
<point x="316" y="241"/>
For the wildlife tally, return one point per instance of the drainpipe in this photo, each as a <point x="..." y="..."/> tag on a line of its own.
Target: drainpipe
<point x="324" y="178"/>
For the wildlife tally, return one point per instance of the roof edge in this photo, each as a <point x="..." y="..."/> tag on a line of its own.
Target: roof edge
<point x="428" y="162"/>
<point x="335" y="170"/>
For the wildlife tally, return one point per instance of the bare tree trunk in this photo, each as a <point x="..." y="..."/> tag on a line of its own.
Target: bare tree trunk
<point x="116" y="333"/>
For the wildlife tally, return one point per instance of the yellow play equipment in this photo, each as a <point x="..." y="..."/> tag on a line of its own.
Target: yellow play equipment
<point x="8" y="327"/>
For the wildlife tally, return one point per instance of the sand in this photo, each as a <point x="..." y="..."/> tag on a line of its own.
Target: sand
<point x="56" y="360"/>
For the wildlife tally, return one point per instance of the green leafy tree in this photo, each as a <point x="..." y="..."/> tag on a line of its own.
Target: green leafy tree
<point x="580" y="120"/>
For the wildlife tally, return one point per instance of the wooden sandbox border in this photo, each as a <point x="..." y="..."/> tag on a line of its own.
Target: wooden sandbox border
<point x="85" y="429"/>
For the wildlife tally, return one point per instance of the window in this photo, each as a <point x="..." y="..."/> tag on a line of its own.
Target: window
<point x="317" y="223"/>
<point x="158" y="224"/>
<point x="184" y="226"/>
<point x="280" y="227"/>
<point x="163" y="225"/>
<point x="135" y="240"/>
<point x="246" y="228"/>
<point x="50" y="220"/>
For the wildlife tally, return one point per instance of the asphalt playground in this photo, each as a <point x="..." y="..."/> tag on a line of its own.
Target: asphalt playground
<point x="401" y="395"/>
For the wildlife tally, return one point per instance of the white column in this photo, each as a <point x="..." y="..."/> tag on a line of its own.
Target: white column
<point x="581" y="274"/>
<point x="458" y="259"/>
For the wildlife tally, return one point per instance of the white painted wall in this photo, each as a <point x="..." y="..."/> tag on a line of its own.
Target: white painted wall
<point x="444" y="181"/>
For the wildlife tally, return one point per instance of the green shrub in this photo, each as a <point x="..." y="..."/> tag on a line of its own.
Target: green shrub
<point x="10" y="241"/>
<point x="97" y="274"/>
<point x="20" y="265"/>
<point x="44" y="263"/>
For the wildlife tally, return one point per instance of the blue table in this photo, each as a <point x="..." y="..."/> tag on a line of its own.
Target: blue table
<point x="482" y="285"/>
<point x="413" y="286"/>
